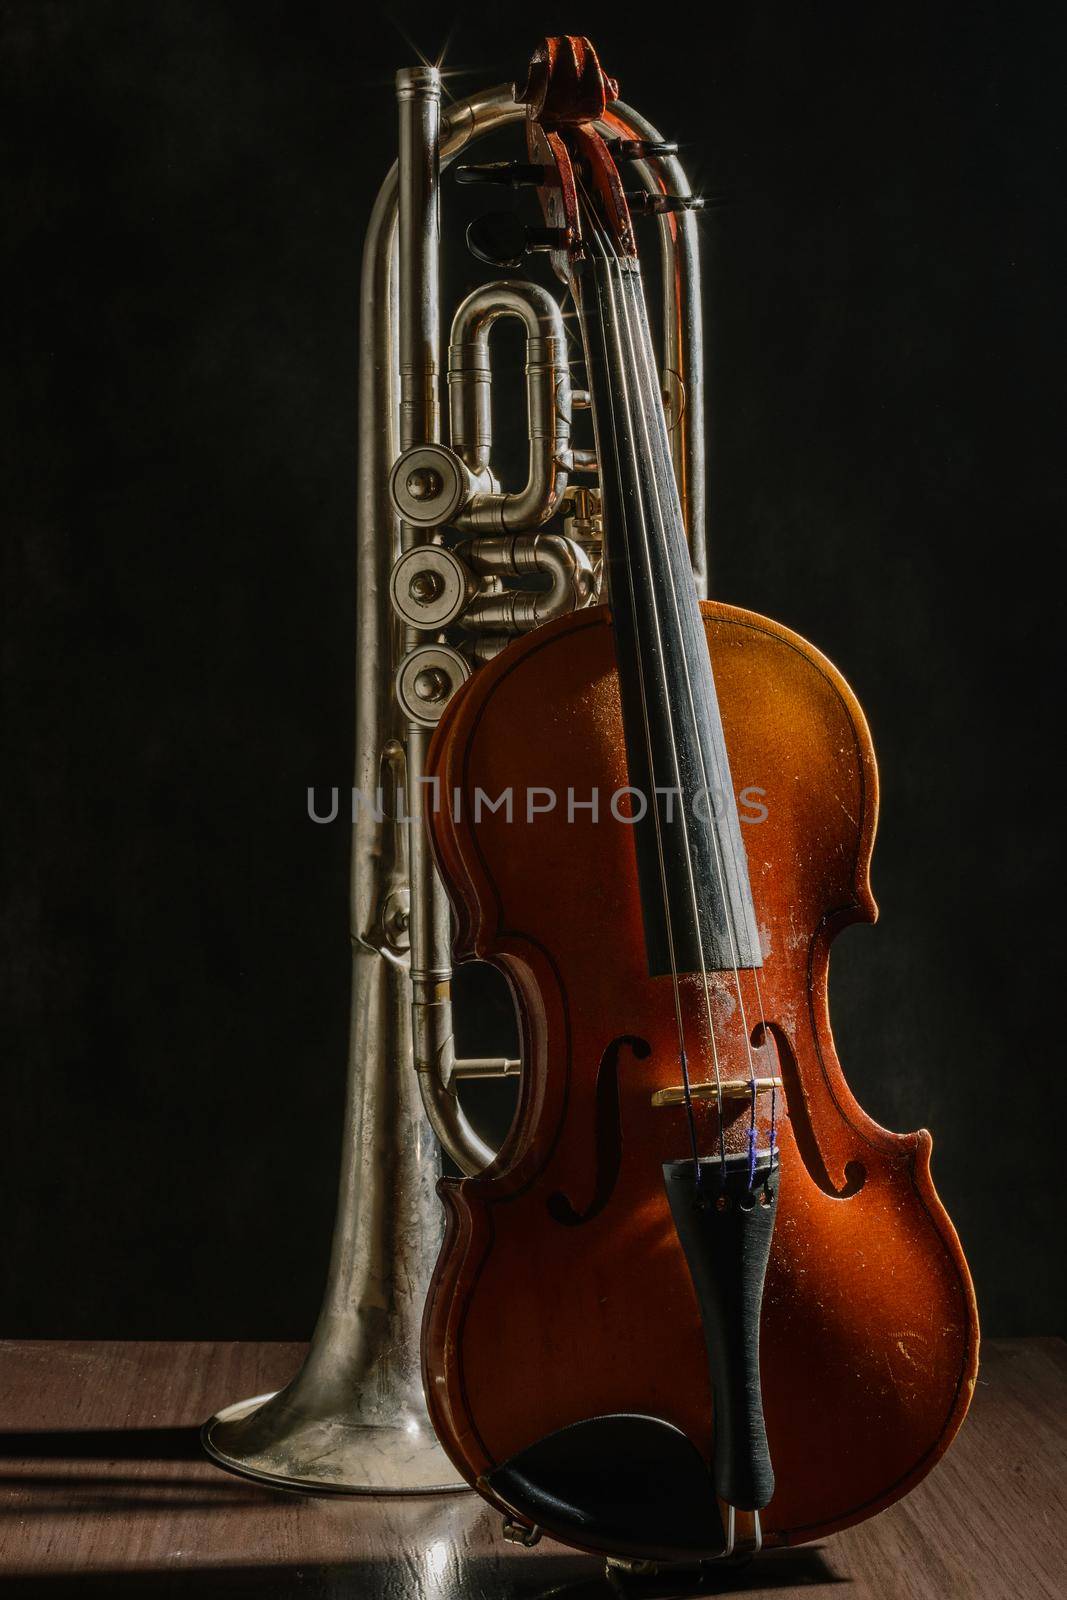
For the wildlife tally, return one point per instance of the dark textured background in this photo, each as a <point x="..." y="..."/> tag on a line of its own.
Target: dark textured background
<point x="190" y="182"/>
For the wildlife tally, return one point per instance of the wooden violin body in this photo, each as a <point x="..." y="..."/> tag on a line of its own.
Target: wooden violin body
<point x="561" y="1293"/>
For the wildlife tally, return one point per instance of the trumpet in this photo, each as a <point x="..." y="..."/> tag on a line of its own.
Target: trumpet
<point x="450" y="567"/>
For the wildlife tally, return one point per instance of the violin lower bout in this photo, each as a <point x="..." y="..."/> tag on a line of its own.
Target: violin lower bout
<point x="562" y="1292"/>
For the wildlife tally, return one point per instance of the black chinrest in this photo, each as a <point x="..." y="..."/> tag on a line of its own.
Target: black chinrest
<point x="624" y="1484"/>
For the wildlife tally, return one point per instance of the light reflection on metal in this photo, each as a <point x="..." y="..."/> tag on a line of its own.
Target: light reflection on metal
<point x="354" y="1418"/>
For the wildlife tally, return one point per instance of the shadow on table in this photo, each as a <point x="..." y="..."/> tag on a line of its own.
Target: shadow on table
<point x="102" y="1444"/>
<point x="58" y="1494"/>
<point x="408" y="1574"/>
<point x="413" y="1548"/>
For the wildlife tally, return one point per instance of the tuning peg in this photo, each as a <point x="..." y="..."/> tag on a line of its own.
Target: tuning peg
<point x="654" y="205"/>
<point x="501" y="239"/>
<point x="509" y="174"/>
<point x="638" y="149"/>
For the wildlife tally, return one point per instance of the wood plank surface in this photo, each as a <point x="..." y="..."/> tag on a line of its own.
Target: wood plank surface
<point x="104" y="1491"/>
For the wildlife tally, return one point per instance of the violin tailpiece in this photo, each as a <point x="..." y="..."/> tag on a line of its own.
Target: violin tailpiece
<point x="725" y="1225"/>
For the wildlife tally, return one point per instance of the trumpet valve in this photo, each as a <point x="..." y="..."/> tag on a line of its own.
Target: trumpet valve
<point x="429" y="485"/>
<point x="426" y="680"/>
<point x="431" y="587"/>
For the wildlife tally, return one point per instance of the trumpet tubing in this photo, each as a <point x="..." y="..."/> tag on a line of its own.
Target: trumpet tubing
<point x="450" y="566"/>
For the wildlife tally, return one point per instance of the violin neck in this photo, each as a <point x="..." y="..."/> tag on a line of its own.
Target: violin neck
<point x="693" y="875"/>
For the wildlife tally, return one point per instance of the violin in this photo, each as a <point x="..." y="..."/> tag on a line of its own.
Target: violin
<point x="700" y="1300"/>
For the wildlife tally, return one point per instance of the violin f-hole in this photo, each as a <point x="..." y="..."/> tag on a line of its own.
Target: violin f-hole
<point x="608" y="1135"/>
<point x="803" y="1132"/>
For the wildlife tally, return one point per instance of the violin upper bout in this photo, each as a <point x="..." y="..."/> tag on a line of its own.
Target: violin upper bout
<point x="807" y="695"/>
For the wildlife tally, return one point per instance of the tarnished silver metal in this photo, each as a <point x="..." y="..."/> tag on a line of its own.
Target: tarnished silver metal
<point x="430" y="961"/>
<point x="571" y="581"/>
<point x="487" y="1067"/>
<point x="426" y="680"/>
<point x="431" y="587"/>
<point x="430" y="485"/>
<point x="548" y="404"/>
<point x="354" y="1419"/>
<point x="683" y="338"/>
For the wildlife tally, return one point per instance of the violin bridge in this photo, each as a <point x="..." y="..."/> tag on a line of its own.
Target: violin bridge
<point x="730" y="1088"/>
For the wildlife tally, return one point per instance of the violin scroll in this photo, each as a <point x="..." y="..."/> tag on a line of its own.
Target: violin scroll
<point x="566" y="84"/>
<point x="567" y="93"/>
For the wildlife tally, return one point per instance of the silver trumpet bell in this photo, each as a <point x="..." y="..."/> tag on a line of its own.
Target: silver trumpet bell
<point x="354" y="1419"/>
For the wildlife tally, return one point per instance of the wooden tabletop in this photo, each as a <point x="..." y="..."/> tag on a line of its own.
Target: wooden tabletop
<point x="104" y="1491"/>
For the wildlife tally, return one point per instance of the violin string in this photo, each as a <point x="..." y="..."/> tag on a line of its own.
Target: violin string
<point x="691" y="874"/>
<point x="642" y="342"/>
<point x="642" y="338"/>
<point x="675" y="979"/>
<point x="614" y="272"/>
<point x="646" y="351"/>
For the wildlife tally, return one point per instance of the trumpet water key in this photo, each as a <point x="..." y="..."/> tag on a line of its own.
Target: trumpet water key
<point x="699" y="1300"/>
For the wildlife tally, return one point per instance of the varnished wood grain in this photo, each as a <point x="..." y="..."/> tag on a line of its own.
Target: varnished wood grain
<point x="869" y="1330"/>
<point x="103" y="1491"/>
